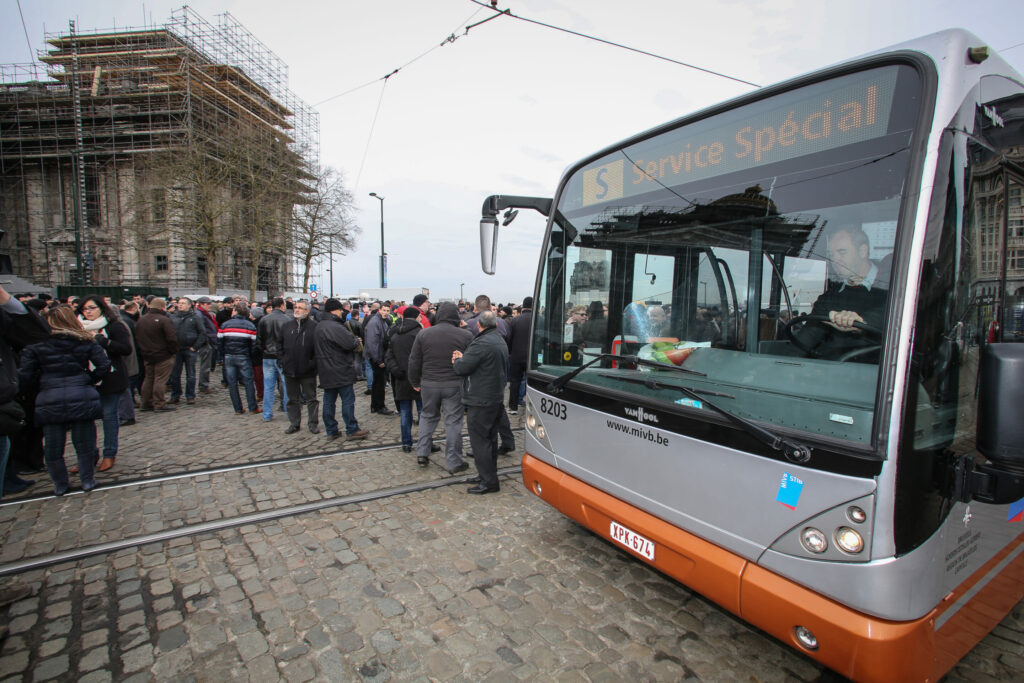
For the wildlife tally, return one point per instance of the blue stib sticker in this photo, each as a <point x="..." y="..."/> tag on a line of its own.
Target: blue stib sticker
<point x="1016" y="513"/>
<point x="789" y="490"/>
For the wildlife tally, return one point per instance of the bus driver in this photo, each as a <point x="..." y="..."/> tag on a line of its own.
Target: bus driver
<point x="856" y="292"/>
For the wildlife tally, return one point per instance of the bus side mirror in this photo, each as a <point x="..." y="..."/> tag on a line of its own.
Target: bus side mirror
<point x="1000" y="428"/>
<point x="488" y="243"/>
<point x="1001" y="395"/>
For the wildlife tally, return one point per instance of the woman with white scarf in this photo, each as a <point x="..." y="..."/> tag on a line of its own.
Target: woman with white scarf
<point x="102" y="321"/>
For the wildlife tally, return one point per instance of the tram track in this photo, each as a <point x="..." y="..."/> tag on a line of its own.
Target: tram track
<point x="191" y="474"/>
<point x="84" y="552"/>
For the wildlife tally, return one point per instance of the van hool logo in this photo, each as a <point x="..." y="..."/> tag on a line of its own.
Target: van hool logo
<point x="642" y="415"/>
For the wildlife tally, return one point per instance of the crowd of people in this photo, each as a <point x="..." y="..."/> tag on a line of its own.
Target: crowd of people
<point x="66" y="364"/>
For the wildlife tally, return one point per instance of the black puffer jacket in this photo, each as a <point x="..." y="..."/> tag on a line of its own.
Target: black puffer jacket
<point x="298" y="351"/>
<point x="335" y="353"/>
<point x="482" y="369"/>
<point x="403" y="336"/>
<point x="430" y="362"/>
<point x="59" y="367"/>
<point x="116" y="341"/>
<point x="190" y="329"/>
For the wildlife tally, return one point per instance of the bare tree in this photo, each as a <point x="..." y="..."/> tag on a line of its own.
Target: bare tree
<point x="268" y="181"/>
<point x="231" y="191"/>
<point x="324" y="222"/>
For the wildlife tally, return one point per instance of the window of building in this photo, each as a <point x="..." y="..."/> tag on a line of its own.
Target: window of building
<point x="160" y="261"/>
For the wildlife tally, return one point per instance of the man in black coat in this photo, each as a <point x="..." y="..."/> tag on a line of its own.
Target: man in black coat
<point x="375" y="335"/>
<point x="298" y="364"/>
<point x="482" y="368"/>
<point x="481" y="305"/>
<point x="267" y="341"/>
<point x="401" y="339"/>
<point x="518" y="349"/>
<point x="337" y="350"/>
<point x="191" y="336"/>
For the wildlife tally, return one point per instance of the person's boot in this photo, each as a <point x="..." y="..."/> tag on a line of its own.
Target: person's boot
<point x="313" y="416"/>
<point x="59" y="474"/>
<point x="87" y="470"/>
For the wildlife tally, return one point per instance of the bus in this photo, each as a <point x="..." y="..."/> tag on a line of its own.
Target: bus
<point x="774" y="354"/>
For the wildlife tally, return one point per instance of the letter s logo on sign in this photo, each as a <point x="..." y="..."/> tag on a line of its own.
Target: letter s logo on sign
<point x="602" y="183"/>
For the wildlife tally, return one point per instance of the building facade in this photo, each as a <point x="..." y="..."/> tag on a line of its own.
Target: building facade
<point x="168" y="156"/>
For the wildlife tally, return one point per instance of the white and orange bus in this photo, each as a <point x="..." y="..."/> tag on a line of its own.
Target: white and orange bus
<point x="796" y="388"/>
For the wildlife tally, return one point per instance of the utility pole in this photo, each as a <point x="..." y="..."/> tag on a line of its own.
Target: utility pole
<point x="383" y="254"/>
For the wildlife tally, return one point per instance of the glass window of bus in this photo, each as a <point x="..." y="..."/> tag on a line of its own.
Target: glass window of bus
<point x="710" y="236"/>
<point x="969" y="296"/>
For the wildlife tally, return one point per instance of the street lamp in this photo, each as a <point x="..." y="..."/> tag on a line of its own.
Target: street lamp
<point x="461" y="297"/>
<point x="383" y="254"/>
<point x="705" y="283"/>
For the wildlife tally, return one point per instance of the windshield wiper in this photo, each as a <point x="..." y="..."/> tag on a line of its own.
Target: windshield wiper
<point x="652" y="383"/>
<point x="556" y="385"/>
<point x="793" y="450"/>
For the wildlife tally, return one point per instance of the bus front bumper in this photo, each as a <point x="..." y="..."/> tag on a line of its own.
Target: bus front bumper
<point x="854" y="644"/>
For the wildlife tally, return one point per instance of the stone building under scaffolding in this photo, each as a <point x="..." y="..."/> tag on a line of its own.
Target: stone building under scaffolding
<point x="170" y="156"/>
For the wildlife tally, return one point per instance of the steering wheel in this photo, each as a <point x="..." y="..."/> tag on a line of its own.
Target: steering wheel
<point x="823" y="321"/>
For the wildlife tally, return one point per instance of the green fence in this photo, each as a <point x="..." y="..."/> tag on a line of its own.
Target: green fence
<point x="115" y="293"/>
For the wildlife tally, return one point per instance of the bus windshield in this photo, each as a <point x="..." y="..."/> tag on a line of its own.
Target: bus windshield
<point x="753" y="246"/>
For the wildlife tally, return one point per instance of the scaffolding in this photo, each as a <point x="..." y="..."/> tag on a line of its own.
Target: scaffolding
<point x="92" y="139"/>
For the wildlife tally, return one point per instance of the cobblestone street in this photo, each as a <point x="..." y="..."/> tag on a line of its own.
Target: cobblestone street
<point x="429" y="585"/>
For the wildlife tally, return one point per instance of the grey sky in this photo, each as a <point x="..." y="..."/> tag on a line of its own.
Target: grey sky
<point x="504" y="109"/>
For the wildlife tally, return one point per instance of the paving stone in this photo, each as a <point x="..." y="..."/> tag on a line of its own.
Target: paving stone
<point x="172" y="639"/>
<point x="251" y="645"/>
<point x="94" y="659"/>
<point x="49" y="669"/>
<point x="138" y="659"/>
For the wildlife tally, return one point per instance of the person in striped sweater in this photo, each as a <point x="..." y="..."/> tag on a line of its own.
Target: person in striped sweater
<point x="237" y="341"/>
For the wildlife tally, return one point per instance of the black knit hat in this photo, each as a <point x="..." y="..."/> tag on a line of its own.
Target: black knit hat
<point x="332" y="305"/>
<point x="411" y="312"/>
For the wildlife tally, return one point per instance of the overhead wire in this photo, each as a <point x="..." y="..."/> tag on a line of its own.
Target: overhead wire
<point x="450" y="39"/>
<point x="373" y="124"/>
<point x="508" y="13"/>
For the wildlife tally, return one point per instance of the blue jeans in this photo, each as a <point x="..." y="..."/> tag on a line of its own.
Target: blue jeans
<point x="405" y="412"/>
<point x="348" y="409"/>
<point x="126" y="409"/>
<point x="83" y="435"/>
<point x="188" y="359"/>
<point x="111" y="423"/>
<point x="271" y="376"/>
<point x="240" y="366"/>
<point x="368" y="371"/>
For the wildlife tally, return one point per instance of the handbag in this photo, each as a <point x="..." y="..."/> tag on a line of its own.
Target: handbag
<point x="12" y="418"/>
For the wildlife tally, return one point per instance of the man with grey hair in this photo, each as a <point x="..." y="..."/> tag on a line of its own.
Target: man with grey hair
<point x="483" y="369"/>
<point x="298" y="364"/>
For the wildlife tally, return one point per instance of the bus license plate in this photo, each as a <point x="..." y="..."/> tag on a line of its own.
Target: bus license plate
<point x="632" y="540"/>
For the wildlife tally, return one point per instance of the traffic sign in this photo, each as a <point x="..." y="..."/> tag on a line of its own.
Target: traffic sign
<point x="312" y="288"/>
<point x="312" y="295"/>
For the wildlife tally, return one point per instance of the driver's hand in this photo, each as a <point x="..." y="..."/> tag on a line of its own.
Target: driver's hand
<point x="844" y="320"/>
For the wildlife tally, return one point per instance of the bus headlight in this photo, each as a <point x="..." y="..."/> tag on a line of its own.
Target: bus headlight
<point x="848" y="540"/>
<point x="813" y="540"/>
<point x="805" y="637"/>
<point x="531" y="421"/>
<point x="541" y="434"/>
<point x="856" y="514"/>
